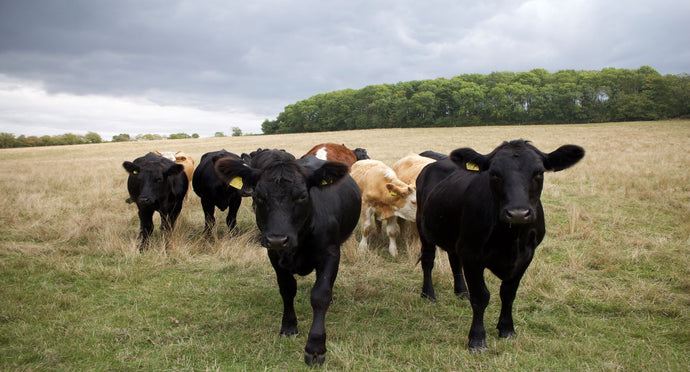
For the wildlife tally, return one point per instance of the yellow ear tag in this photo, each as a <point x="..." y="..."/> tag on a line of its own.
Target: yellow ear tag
<point x="393" y="193"/>
<point x="471" y="166"/>
<point x="324" y="182"/>
<point x="236" y="183"/>
<point x="135" y="172"/>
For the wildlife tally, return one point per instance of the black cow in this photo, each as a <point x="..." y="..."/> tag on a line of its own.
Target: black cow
<point x="360" y="153"/>
<point x="214" y="192"/>
<point x="305" y="209"/>
<point x="485" y="211"/>
<point x="155" y="184"/>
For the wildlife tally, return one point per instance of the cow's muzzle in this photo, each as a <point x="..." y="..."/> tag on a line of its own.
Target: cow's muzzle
<point x="518" y="216"/>
<point x="144" y="201"/>
<point x="276" y="241"/>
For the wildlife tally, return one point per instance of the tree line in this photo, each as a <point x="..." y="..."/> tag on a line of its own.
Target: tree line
<point x="533" y="97"/>
<point x="9" y="140"/>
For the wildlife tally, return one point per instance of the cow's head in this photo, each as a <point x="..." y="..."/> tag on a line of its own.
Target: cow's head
<point x="515" y="171"/>
<point x="150" y="178"/>
<point x="402" y="198"/>
<point x="282" y="186"/>
<point x="360" y="153"/>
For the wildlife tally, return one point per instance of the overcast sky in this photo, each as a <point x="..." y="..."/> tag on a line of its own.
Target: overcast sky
<point x="205" y="66"/>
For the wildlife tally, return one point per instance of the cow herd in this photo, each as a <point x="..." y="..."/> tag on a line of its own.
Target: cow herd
<point x="483" y="210"/>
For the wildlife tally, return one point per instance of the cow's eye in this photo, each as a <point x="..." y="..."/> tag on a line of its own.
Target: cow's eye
<point x="301" y="198"/>
<point x="157" y="180"/>
<point x="495" y="177"/>
<point x="538" y="176"/>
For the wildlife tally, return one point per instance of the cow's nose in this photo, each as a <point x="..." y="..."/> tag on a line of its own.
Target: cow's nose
<point x="277" y="241"/>
<point x="518" y="215"/>
<point x="144" y="201"/>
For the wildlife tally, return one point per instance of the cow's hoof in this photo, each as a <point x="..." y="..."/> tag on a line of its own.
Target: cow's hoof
<point x="314" y="360"/>
<point x="507" y="334"/>
<point x="289" y="334"/>
<point x="429" y="297"/>
<point x="477" y="347"/>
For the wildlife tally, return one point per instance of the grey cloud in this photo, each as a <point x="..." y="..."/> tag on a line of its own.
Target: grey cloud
<point x="258" y="56"/>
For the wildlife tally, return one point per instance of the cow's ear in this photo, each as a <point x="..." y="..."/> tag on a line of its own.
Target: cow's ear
<point x="130" y="167"/>
<point x="174" y="170"/>
<point x="236" y="173"/>
<point x="395" y="190"/>
<point x="564" y="157"/>
<point x="466" y="158"/>
<point x="327" y="174"/>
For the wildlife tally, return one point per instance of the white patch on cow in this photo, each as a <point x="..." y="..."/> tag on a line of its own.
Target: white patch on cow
<point x="409" y="210"/>
<point x="366" y="228"/>
<point x="322" y="154"/>
<point x="392" y="230"/>
<point x="389" y="174"/>
<point x="168" y="155"/>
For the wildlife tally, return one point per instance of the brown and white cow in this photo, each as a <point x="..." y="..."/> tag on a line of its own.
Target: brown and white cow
<point x="334" y="152"/>
<point x="384" y="197"/>
<point x="180" y="158"/>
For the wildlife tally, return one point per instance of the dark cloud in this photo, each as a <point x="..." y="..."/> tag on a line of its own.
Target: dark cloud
<point x="256" y="57"/>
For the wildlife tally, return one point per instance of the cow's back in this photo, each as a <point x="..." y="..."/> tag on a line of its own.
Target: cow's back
<point x="333" y="152"/>
<point x="340" y="204"/>
<point x="441" y="193"/>
<point x="207" y="184"/>
<point x="409" y="167"/>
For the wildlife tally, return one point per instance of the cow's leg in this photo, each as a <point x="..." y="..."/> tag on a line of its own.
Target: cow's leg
<point x="392" y="230"/>
<point x="428" y="257"/>
<point x="367" y="213"/>
<point x="287" y="286"/>
<point x="168" y="222"/>
<point x="233" y="206"/>
<point x="209" y="218"/>
<point x="505" y="320"/>
<point x="145" y="226"/>
<point x="479" y="298"/>
<point x="321" y="296"/>
<point x="459" y="286"/>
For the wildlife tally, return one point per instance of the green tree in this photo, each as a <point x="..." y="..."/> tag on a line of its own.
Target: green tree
<point x="92" y="137"/>
<point x="179" y="136"/>
<point x="122" y="137"/>
<point x="236" y="132"/>
<point x="219" y="134"/>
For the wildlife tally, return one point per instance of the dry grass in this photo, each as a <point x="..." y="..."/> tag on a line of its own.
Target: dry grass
<point x="608" y="289"/>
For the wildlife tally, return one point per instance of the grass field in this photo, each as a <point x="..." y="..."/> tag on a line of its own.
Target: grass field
<point x="608" y="290"/>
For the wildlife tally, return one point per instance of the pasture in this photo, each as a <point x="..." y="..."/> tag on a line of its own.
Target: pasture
<point x="609" y="288"/>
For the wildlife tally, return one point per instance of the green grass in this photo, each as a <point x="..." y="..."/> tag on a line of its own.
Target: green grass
<point x="609" y="288"/>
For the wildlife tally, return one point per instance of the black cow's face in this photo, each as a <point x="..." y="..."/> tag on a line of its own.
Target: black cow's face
<point x="516" y="175"/>
<point x="282" y="208"/>
<point x="149" y="179"/>
<point x="281" y="199"/>
<point x="360" y="153"/>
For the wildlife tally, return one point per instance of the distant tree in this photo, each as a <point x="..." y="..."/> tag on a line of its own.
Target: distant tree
<point x="92" y="137"/>
<point x="179" y="136"/>
<point x="195" y="135"/>
<point x="122" y="137"/>
<point x="7" y="140"/>
<point x="148" y="137"/>
<point x="219" y="134"/>
<point x="47" y="141"/>
<point x="236" y="131"/>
